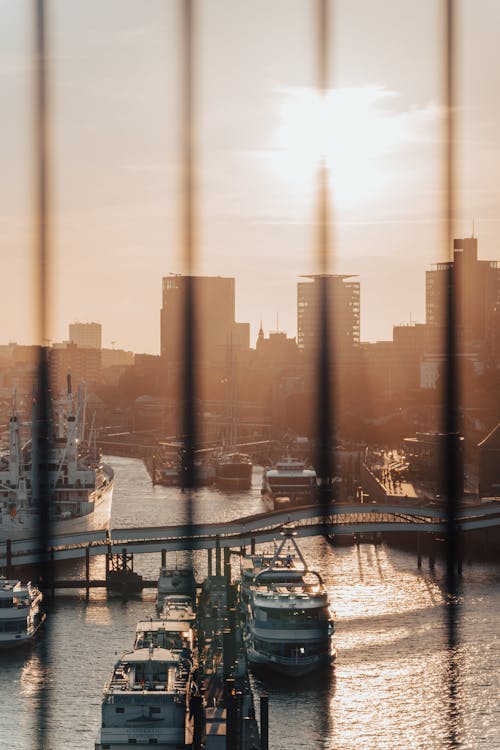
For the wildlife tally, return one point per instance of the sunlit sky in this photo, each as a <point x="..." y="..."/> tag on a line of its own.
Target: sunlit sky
<point x="260" y="129"/>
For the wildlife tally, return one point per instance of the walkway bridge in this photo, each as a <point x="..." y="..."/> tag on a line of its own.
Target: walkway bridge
<point x="339" y="519"/>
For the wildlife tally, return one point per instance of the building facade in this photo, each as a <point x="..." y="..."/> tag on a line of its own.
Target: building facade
<point x="218" y="336"/>
<point x="344" y="312"/>
<point x="477" y="290"/>
<point x="86" y="335"/>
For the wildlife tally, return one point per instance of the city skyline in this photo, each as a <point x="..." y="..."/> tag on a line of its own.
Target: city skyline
<point x="80" y="331"/>
<point x="116" y="156"/>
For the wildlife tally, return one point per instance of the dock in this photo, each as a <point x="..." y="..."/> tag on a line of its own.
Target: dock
<point x="230" y="720"/>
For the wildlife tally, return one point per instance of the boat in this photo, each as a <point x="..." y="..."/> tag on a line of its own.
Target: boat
<point x="81" y="485"/>
<point x="168" y="471"/>
<point x="21" y="613"/>
<point x="173" y="629"/>
<point x="289" y="626"/>
<point x="233" y="471"/>
<point x="289" y="484"/>
<point x="148" y="699"/>
<point x="174" y="583"/>
<point x="251" y="565"/>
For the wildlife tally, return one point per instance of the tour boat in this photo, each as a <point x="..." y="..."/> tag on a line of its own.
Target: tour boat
<point x="289" y="625"/>
<point x="21" y="613"/>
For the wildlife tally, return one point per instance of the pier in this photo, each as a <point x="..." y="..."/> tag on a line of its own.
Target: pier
<point x="338" y="519"/>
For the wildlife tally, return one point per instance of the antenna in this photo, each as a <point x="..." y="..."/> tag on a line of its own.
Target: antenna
<point x="473" y="228"/>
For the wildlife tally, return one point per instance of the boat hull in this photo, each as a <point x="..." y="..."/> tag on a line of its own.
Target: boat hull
<point x="289" y="667"/>
<point x="234" y="477"/>
<point x="19" y="640"/>
<point x="26" y="525"/>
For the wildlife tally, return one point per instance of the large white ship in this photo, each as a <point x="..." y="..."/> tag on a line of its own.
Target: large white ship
<point x="81" y="486"/>
<point x="289" y="625"/>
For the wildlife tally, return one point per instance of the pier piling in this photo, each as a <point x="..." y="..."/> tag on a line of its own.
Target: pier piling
<point x="198" y="722"/>
<point x="209" y="562"/>
<point x="252" y="546"/>
<point x="264" y="722"/>
<point x="419" y="552"/>
<point x="231" y="721"/>
<point x="163" y="558"/>
<point x="87" y="573"/>
<point x="218" y="566"/>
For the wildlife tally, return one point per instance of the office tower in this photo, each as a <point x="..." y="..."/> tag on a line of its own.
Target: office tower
<point x="218" y="336"/>
<point x="477" y="289"/>
<point x="86" y="335"/>
<point x="343" y="305"/>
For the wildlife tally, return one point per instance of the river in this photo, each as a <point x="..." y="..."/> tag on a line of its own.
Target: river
<point x="388" y="689"/>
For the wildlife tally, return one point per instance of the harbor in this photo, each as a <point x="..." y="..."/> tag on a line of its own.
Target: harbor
<point x="372" y="589"/>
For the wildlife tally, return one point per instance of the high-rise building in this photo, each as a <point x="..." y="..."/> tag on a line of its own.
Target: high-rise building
<point x="218" y="336"/>
<point x="477" y="291"/>
<point x="86" y="335"/>
<point x="343" y="305"/>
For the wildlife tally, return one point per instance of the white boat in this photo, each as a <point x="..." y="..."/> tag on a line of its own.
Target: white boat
<point x="81" y="486"/>
<point x="175" y="635"/>
<point x="289" y="625"/>
<point x="21" y="612"/>
<point x="173" y="582"/>
<point x="289" y="483"/>
<point x="147" y="700"/>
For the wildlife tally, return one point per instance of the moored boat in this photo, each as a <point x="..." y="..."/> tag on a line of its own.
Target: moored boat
<point x="289" y="625"/>
<point x="289" y="483"/>
<point x="233" y="471"/>
<point x="81" y="485"/>
<point x="21" y="613"/>
<point x="148" y="699"/>
<point x="173" y="583"/>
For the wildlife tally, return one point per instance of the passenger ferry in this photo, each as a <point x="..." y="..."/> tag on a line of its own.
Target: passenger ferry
<point x="81" y="486"/>
<point x="289" y="483"/>
<point x="21" y="612"/>
<point x="289" y="625"/>
<point x="148" y="699"/>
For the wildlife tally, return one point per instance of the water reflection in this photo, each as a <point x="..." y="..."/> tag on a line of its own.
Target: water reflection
<point x="307" y="704"/>
<point x="389" y="687"/>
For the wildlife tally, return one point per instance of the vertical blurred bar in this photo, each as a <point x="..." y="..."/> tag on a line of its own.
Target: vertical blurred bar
<point x="324" y="422"/>
<point x="189" y="425"/>
<point x="41" y="410"/>
<point x="451" y="396"/>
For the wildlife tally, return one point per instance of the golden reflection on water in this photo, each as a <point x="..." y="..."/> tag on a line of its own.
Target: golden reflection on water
<point x="33" y="676"/>
<point x="97" y="613"/>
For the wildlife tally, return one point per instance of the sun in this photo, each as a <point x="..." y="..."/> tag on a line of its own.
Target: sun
<point x="352" y="129"/>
